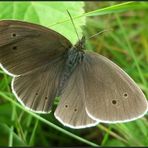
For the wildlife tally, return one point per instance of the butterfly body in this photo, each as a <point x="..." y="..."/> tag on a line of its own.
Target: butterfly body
<point x="74" y="57"/>
<point x="44" y="64"/>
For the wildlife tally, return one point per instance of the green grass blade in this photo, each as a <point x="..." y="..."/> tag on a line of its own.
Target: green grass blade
<point x="31" y="142"/>
<point x="117" y="8"/>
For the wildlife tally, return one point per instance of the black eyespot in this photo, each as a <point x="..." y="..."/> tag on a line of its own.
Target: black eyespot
<point x="13" y="35"/>
<point x="66" y="106"/>
<point x="14" y="47"/>
<point x="114" y="102"/>
<point x="46" y="98"/>
<point x="75" y="109"/>
<point x="125" y="95"/>
<point x="36" y="93"/>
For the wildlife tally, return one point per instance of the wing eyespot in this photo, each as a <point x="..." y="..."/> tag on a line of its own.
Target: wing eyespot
<point x="14" y="47"/>
<point x="75" y="109"/>
<point x="13" y="34"/>
<point x="125" y="95"/>
<point x="36" y="93"/>
<point x="46" y="98"/>
<point x="114" y="102"/>
<point x="66" y="106"/>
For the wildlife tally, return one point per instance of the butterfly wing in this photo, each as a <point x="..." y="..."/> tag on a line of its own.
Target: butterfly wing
<point x="26" y="46"/>
<point x="111" y="95"/>
<point x="71" y="108"/>
<point x="37" y="90"/>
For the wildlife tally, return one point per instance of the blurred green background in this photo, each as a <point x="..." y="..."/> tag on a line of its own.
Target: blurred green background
<point x="126" y="44"/>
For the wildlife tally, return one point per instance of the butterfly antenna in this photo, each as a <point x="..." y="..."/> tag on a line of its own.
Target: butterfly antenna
<point x="100" y="33"/>
<point x="73" y="24"/>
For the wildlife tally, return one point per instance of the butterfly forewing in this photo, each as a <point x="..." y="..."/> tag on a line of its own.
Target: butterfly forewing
<point x="25" y="46"/>
<point x="111" y="95"/>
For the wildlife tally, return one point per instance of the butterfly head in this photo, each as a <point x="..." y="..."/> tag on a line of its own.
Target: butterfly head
<point x="80" y="45"/>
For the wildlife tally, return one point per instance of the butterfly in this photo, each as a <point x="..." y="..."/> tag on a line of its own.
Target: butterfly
<point x="45" y="65"/>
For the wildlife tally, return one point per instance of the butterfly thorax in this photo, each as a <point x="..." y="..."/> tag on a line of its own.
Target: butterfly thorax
<point x="74" y="57"/>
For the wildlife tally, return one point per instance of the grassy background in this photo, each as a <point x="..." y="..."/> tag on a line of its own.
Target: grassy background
<point x="126" y="45"/>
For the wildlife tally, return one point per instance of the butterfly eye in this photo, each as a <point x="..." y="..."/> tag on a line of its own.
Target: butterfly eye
<point x="114" y="102"/>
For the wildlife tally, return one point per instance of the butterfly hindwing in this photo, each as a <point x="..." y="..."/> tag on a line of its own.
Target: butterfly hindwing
<point x="111" y="95"/>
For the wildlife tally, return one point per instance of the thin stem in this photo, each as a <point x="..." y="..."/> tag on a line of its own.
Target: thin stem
<point x="12" y="126"/>
<point x="33" y="133"/>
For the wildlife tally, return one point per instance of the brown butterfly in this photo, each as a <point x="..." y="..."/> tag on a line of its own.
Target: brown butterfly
<point x="44" y="65"/>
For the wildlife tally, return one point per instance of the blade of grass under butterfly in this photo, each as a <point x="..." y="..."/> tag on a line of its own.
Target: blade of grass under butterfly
<point x="33" y="133"/>
<point x="112" y="133"/>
